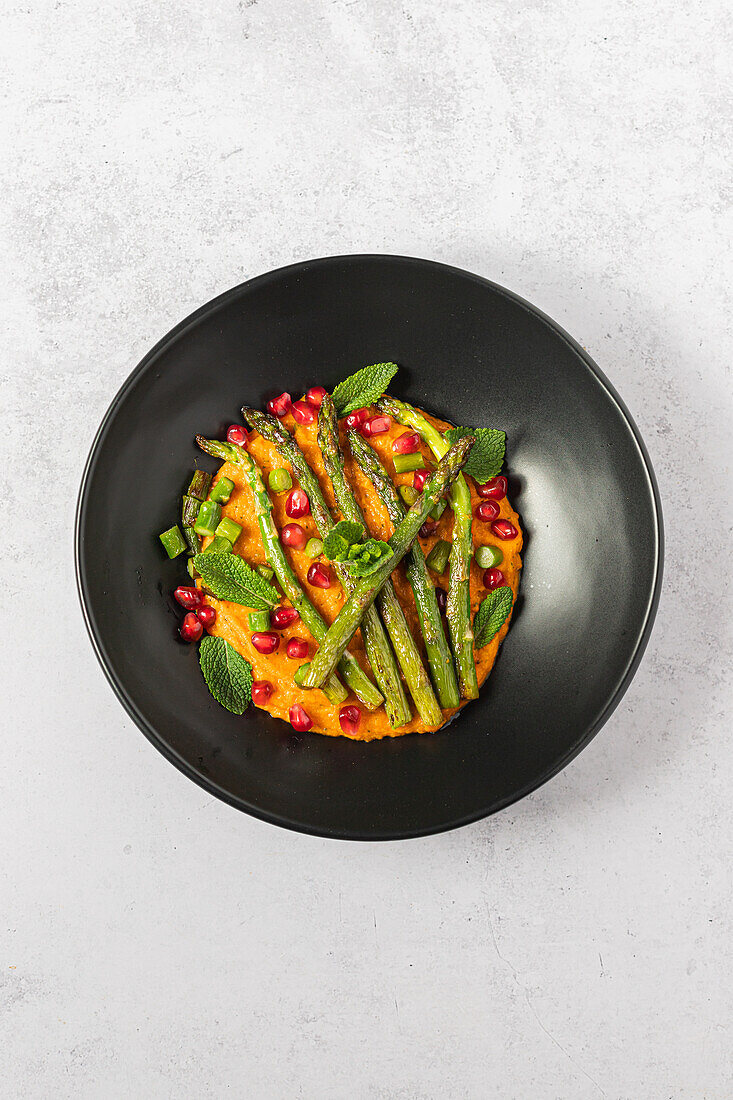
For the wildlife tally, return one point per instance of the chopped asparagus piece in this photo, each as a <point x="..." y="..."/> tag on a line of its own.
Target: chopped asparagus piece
<point x="208" y="518"/>
<point x="222" y="491"/>
<point x="173" y="541"/>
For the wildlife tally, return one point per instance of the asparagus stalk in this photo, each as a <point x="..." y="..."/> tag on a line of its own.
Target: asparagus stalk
<point x="348" y="667"/>
<point x="391" y="610"/>
<point x="437" y="649"/>
<point x="458" y="604"/>
<point x="376" y="645"/>
<point x="348" y="619"/>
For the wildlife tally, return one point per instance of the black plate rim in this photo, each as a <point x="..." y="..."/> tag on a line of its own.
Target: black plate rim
<point x="183" y="765"/>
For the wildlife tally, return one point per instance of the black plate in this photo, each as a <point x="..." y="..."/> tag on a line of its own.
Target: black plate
<point x="473" y="353"/>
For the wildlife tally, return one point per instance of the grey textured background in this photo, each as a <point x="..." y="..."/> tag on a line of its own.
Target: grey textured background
<point x="155" y="943"/>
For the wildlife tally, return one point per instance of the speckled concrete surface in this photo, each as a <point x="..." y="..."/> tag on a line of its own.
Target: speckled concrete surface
<point x="155" y="943"/>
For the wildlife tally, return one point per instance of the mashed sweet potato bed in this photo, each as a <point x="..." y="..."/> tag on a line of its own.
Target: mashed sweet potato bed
<point x="232" y="620"/>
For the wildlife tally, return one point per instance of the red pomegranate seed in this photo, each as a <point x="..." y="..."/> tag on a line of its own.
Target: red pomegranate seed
<point x="319" y="575"/>
<point x="191" y="628"/>
<point x="283" y="616"/>
<point x="495" y="489"/>
<point x="428" y="528"/>
<point x="206" y="615"/>
<point x="297" y="648"/>
<point x="350" y="719"/>
<point x="487" y="510"/>
<point x="503" y="529"/>
<point x="190" y="598"/>
<point x="406" y="444"/>
<point x="237" y="434"/>
<point x="299" y="719"/>
<point x="419" y="478"/>
<point x="297" y="504"/>
<point x="280" y="406"/>
<point x="315" y="396"/>
<point x="265" y="641"/>
<point x="441" y="599"/>
<point x="376" y="425"/>
<point x="357" y="418"/>
<point x="303" y="412"/>
<point x="493" y="578"/>
<point x="294" y="536"/>
<point x="261" y="692"/>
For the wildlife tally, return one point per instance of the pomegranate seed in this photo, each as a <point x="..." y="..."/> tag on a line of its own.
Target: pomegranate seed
<point x="493" y="578"/>
<point x="357" y="418"/>
<point x="297" y="504"/>
<point x="487" y="510"/>
<point x="419" y="478"/>
<point x="190" y="598"/>
<point x="495" y="489"/>
<point x="315" y="396"/>
<point x="303" y="412"/>
<point x="406" y="444"/>
<point x="441" y="598"/>
<point x="294" y="536"/>
<point x="376" y="425"/>
<point x="299" y="720"/>
<point x="191" y="628"/>
<point x="280" y="406"/>
<point x="206" y="615"/>
<point x="319" y="575"/>
<point x="503" y="529"/>
<point x="283" y="616"/>
<point x="428" y="528"/>
<point x="237" y="434"/>
<point x="265" y="641"/>
<point x="297" y="648"/>
<point x="350" y="719"/>
<point x="261" y="692"/>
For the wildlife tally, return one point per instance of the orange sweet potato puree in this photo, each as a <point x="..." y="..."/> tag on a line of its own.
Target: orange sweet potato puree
<point x="232" y="620"/>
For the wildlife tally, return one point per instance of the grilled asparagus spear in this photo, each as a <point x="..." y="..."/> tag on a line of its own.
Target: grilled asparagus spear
<point x="347" y="621"/>
<point x="438" y="651"/>
<point x="376" y="644"/>
<point x="458" y="608"/>
<point x="349" y="668"/>
<point x="394" y="617"/>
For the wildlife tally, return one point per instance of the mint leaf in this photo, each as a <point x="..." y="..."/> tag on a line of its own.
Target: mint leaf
<point x="334" y="547"/>
<point x="493" y="612"/>
<point x="363" y="388"/>
<point x="344" y="543"/>
<point x="338" y="540"/>
<point x="486" y="457"/>
<point x="228" y="676"/>
<point x="368" y="557"/>
<point x="230" y="578"/>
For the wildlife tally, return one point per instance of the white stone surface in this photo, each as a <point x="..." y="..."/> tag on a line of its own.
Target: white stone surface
<point x="156" y="943"/>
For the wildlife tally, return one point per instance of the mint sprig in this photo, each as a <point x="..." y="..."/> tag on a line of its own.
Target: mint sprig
<point x="346" y="543"/>
<point x="230" y="578"/>
<point x="365" y="558"/>
<point x="486" y="457"/>
<point x="363" y="388"/>
<point x="493" y="612"/>
<point x="228" y="676"/>
<point x="338" y="540"/>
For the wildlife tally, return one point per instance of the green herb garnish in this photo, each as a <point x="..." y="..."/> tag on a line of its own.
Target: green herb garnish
<point x="338" y="540"/>
<point x="228" y="676"/>
<point x="346" y="543"/>
<point x="493" y="612"/>
<point x="230" y="578"/>
<point x="487" y="454"/>
<point x="363" y="388"/>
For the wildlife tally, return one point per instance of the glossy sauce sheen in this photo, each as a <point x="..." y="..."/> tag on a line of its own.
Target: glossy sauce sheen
<point x="278" y="668"/>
